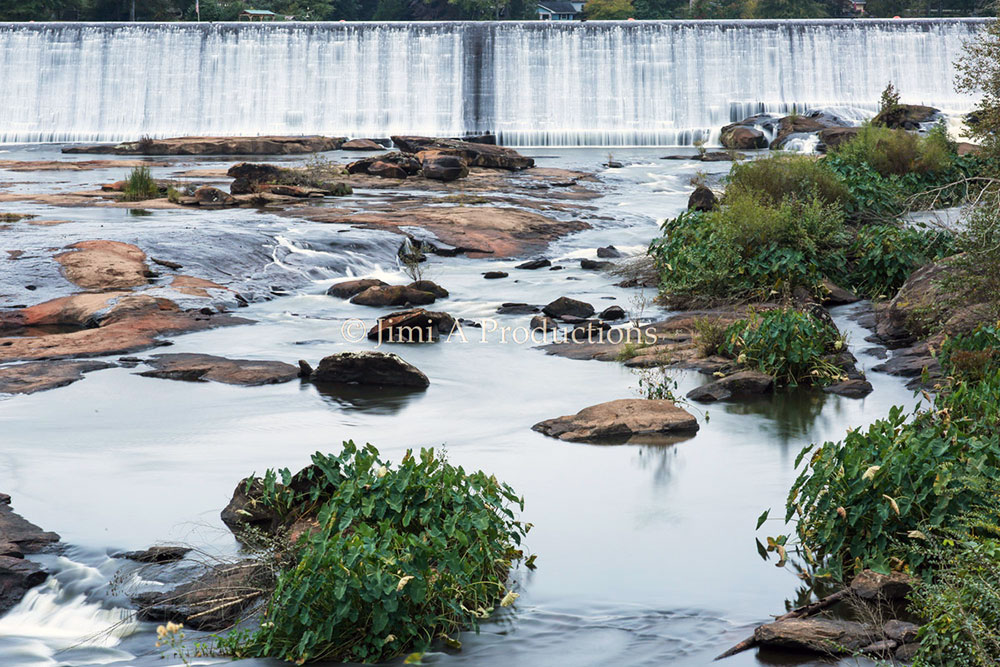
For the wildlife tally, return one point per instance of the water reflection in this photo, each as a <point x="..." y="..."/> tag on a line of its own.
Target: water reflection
<point x="366" y="398"/>
<point x="791" y="415"/>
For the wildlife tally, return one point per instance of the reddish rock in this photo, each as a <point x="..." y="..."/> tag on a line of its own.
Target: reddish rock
<point x="622" y="418"/>
<point x="475" y="154"/>
<point x="361" y="145"/>
<point x="104" y="265"/>
<point x="207" y="367"/>
<point x="348" y="288"/>
<point x="209" y="196"/>
<point x="265" y="145"/>
<point x="386" y="170"/>
<point x="742" y="137"/>
<point x="393" y="295"/>
<point x="442" y="167"/>
<point x="412" y="326"/>
<point x="34" y="376"/>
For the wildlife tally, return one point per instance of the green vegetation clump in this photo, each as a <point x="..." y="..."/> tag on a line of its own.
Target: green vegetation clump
<point x="788" y="175"/>
<point x="140" y="186"/>
<point x="399" y="557"/>
<point x="860" y="501"/>
<point x="793" y="346"/>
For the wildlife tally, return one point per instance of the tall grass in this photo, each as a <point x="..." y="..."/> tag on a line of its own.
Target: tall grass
<point x="140" y="186"/>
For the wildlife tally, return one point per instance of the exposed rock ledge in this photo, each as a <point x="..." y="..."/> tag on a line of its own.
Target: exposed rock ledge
<point x="18" y="537"/>
<point x="270" y="145"/>
<point x="623" y="418"/>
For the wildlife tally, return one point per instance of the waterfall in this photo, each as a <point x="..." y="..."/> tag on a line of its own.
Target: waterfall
<point x="533" y="83"/>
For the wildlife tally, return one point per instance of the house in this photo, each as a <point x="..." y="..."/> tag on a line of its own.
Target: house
<point x="858" y="6"/>
<point x="257" y="15"/>
<point x="551" y="10"/>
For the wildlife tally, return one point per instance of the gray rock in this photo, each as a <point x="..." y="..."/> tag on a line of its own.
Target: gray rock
<point x="567" y="306"/>
<point x="737" y="385"/>
<point x="370" y="368"/>
<point x="622" y="418"/>
<point x="818" y="635"/>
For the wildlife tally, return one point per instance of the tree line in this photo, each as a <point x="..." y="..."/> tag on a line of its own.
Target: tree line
<point x="430" y="10"/>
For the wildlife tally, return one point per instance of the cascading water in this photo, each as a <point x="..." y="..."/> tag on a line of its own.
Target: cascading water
<point x="538" y="83"/>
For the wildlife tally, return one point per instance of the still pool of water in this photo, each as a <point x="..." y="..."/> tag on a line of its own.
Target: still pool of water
<point x="646" y="553"/>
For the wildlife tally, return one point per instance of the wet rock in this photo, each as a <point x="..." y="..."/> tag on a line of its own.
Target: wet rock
<point x="622" y="418"/>
<point x="305" y="369"/>
<point x="265" y="145"/>
<point x="212" y="602"/>
<point x="206" y="367"/>
<point x="248" y="175"/>
<point x="494" y="275"/>
<point x="877" y="352"/>
<point x="738" y="385"/>
<point x="371" y="368"/>
<point x="408" y="163"/>
<point x="567" y="306"/>
<point x="533" y="264"/>
<point x="393" y="295"/>
<point x="517" y="309"/>
<point x="349" y="288"/>
<point x="476" y="154"/>
<point x="609" y="252"/>
<point x="429" y="286"/>
<point x="905" y="116"/>
<point x="387" y="170"/>
<point x="901" y="631"/>
<point x="613" y="164"/>
<point x="856" y="388"/>
<point x="442" y="167"/>
<point x="34" y="376"/>
<point x="594" y="265"/>
<point x="702" y="199"/>
<point x="835" y="295"/>
<point x="884" y="648"/>
<point x="246" y="511"/>
<point x="907" y="652"/>
<point x="808" y="124"/>
<point x="898" y="320"/>
<point x="104" y="265"/>
<point x="209" y="196"/>
<point x="832" y="137"/>
<point x="17" y="531"/>
<point x="412" y="326"/>
<point x="871" y="585"/>
<point x="166" y="263"/>
<point x="17" y="577"/>
<point x="742" y="137"/>
<point x="361" y="145"/>
<point x="543" y="322"/>
<point x="911" y="362"/>
<point x="818" y="635"/>
<point x="612" y="313"/>
<point x="157" y="554"/>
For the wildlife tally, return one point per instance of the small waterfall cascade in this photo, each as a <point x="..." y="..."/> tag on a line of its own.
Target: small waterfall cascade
<point x="532" y="83"/>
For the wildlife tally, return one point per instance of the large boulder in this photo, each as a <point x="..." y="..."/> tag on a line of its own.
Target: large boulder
<point x="790" y="125"/>
<point x="369" y="368"/>
<point x="743" y="137"/>
<point x="393" y="295"/>
<point x="564" y="306"/>
<point x="817" y="635"/>
<point x="442" y="167"/>
<point x="349" y="288"/>
<point x="738" y="385"/>
<point x="622" y="418"/>
<point x="386" y="170"/>
<point x="407" y="163"/>
<point x="702" y="199"/>
<point x="906" y="116"/>
<point x="475" y="154"/>
<point x="412" y="326"/>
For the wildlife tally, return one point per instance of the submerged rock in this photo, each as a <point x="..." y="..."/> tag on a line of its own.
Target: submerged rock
<point x="373" y="368"/>
<point x="737" y="385"/>
<point x="625" y="417"/>
<point x="192" y="367"/>
<point x="34" y="376"/>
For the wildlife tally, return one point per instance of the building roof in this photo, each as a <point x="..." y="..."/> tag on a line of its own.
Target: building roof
<point x="259" y="12"/>
<point x="558" y="7"/>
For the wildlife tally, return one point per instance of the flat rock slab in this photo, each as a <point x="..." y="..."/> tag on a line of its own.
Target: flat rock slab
<point x="206" y="367"/>
<point x="268" y="145"/>
<point x="104" y="265"/>
<point x="622" y="418"/>
<point x="17" y="531"/>
<point x="490" y="230"/>
<point x="369" y="368"/>
<point x="76" y="165"/>
<point x="35" y="376"/>
<point x="157" y="554"/>
<point x="818" y="635"/>
<point x="738" y="385"/>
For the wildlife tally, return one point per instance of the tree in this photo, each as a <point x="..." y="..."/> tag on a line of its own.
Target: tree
<point x="979" y="72"/>
<point x="609" y="10"/>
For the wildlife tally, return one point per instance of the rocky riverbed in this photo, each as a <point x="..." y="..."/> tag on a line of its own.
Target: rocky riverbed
<point x="151" y="352"/>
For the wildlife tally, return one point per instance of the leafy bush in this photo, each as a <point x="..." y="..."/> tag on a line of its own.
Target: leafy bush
<point x="140" y="186"/>
<point x="961" y="603"/>
<point x="711" y="335"/>
<point x="397" y="557"/>
<point x="747" y="249"/>
<point x="790" y="345"/>
<point x="784" y="176"/>
<point x="857" y="499"/>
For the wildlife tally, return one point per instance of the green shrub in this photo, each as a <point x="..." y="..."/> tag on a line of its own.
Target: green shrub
<point x="710" y="335"/>
<point x="787" y="175"/>
<point x="400" y="557"/>
<point x="975" y="279"/>
<point x="859" y="500"/>
<point x="140" y="186"/>
<point x="960" y="604"/>
<point x="791" y="345"/>
<point x="747" y="249"/>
